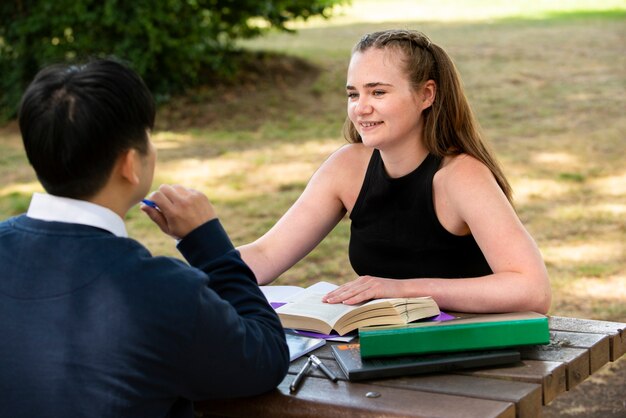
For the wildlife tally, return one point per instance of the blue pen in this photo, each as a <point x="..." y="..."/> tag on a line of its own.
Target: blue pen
<point x="150" y="203"/>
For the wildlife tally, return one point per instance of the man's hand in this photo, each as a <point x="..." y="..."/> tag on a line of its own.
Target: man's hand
<point x="180" y="210"/>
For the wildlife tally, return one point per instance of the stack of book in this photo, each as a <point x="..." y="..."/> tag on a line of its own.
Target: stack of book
<point x="410" y="335"/>
<point x="467" y="341"/>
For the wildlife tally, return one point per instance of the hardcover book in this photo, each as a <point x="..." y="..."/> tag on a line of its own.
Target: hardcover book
<point x="356" y="368"/>
<point x="465" y="333"/>
<point x="306" y="311"/>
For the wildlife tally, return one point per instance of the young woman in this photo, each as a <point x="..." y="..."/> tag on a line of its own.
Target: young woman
<point x="427" y="200"/>
<point x="430" y="207"/>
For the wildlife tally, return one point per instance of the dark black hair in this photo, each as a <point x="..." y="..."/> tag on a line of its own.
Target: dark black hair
<point x="76" y="120"/>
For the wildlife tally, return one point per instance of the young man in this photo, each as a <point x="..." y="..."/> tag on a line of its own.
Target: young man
<point x="91" y="323"/>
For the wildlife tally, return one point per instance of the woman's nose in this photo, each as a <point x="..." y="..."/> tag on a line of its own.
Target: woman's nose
<point x="363" y="106"/>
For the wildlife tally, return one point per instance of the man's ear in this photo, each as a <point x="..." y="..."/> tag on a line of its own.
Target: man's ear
<point x="127" y="166"/>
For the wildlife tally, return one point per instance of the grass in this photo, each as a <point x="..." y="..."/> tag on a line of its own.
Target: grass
<point x="546" y="81"/>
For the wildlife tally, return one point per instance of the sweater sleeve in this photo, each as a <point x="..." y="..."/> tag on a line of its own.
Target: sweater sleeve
<point x="239" y="344"/>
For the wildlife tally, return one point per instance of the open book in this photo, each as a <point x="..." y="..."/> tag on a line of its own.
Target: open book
<point x="306" y="311"/>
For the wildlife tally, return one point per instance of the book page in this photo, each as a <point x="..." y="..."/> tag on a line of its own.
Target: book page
<point x="320" y="288"/>
<point x="313" y="307"/>
<point x="279" y="293"/>
<point x="309" y="303"/>
<point x="389" y="306"/>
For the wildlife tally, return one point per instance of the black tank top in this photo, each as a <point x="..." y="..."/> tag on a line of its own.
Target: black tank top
<point x="395" y="232"/>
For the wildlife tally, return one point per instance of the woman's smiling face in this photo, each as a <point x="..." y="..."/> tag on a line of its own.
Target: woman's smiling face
<point x="382" y="104"/>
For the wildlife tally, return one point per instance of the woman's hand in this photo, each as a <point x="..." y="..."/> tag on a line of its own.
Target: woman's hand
<point x="363" y="289"/>
<point x="180" y="210"/>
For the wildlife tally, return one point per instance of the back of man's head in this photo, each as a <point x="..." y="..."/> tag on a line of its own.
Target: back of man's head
<point x="76" y="120"/>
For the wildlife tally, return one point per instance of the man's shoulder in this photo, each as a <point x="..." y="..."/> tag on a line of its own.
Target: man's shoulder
<point x="126" y="268"/>
<point x="93" y="254"/>
<point x="133" y="258"/>
<point x="10" y="222"/>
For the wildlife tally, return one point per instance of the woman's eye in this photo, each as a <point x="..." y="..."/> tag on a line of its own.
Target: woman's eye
<point x="378" y="92"/>
<point x="352" y="95"/>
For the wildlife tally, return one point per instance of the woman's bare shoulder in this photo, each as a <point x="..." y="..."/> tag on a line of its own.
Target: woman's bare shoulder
<point x="462" y="176"/>
<point x="462" y="168"/>
<point x="343" y="172"/>
<point x="350" y="157"/>
<point x="462" y="163"/>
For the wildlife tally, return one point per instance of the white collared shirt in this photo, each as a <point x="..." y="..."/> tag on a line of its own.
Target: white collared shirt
<point x="47" y="207"/>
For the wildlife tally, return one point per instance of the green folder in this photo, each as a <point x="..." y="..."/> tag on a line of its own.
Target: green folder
<point x="465" y="332"/>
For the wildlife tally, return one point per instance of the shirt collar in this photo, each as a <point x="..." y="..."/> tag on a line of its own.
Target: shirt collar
<point x="47" y="207"/>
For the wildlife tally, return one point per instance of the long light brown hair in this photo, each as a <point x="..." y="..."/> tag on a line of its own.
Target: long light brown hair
<point x="450" y="127"/>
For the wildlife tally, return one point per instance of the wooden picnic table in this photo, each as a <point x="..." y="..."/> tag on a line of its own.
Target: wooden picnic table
<point x="578" y="348"/>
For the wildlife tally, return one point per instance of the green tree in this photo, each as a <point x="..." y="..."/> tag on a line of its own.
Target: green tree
<point x="169" y="42"/>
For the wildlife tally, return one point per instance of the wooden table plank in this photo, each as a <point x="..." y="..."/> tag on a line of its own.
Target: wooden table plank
<point x="319" y="397"/>
<point x="576" y="360"/>
<point x="615" y="330"/>
<point x="551" y="375"/>
<point x="597" y="344"/>
<point x="527" y="397"/>
<point x="577" y="349"/>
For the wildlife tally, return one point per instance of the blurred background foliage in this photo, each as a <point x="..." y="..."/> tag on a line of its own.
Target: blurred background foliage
<point x="171" y="43"/>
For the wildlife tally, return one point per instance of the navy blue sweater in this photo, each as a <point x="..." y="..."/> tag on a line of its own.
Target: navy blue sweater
<point x="92" y="325"/>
